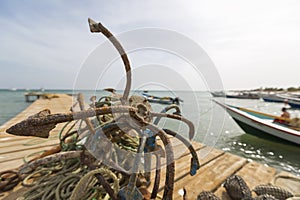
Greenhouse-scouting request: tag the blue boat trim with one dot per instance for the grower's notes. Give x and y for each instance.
(264, 124)
(284, 130)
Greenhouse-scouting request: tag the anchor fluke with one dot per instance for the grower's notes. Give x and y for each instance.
(32, 127)
(94, 26)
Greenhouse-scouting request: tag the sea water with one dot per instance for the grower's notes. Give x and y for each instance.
(214, 127)
(11, 103)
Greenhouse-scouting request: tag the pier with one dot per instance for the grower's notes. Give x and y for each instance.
(32, 96)
(216, 165)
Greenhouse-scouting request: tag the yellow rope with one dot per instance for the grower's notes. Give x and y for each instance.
(87, 181)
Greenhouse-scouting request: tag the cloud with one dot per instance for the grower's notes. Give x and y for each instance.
(250, 38)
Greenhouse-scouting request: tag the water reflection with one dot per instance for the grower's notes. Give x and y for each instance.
(275, 154)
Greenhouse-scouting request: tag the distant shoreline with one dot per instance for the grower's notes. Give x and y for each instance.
(261, 89)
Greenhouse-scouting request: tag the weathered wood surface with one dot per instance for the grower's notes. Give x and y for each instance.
(14, 148)
(253, 174)
(287, 181)
(216, 165)
(210, 176)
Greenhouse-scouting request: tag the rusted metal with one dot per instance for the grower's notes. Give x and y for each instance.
(170, 172)
(166, 109)
(178, 117)
(107, 187)
(157, 175)
(195, 164)
(98, 27)
(41, 126)
(128, 115)
(88, 122)
(130, 191)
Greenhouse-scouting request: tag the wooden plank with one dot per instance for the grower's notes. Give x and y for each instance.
(287, 181)
(13, 164)
(18, 143)
(31, 144)
(216, 165)
(182, 166)
(14, 148)
(20, 155)
(3, 140)
(29, 141)
(210, 176)
(56, 105)
(17, 140)
(181, 150)
(254, 174)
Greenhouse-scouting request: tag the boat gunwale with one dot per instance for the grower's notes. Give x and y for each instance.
(260, 121)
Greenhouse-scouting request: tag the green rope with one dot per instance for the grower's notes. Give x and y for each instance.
(38, 153)
(87, 183)
(71, 145)
(54, 180)
(35, 175)
(65, 188)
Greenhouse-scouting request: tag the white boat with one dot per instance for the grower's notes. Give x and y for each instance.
(218, 94)
(262, 124)
(293, 101)
(294, 104)
(162, 100)
(273, 98)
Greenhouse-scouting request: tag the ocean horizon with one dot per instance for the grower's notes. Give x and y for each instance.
(214, 127)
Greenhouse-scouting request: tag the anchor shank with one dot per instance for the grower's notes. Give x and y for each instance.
(41, 126)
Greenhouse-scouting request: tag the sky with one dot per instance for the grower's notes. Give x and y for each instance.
(248, 43)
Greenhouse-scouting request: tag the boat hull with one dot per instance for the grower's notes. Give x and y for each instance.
(259, 133)
(167, 102)
(242, 96)
(294, 104)
(260, 127)
(161, 100)
(218, 94)
(273, 99)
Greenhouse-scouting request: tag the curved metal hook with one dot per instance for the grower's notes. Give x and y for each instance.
(166, 109)
(188, 122)
(170, 175)
(195, 164)
(98, 27)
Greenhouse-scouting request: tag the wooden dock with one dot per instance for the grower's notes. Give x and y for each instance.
(32, 96)
(216, 165)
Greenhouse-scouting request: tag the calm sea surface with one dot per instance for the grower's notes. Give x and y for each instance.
(214, 127)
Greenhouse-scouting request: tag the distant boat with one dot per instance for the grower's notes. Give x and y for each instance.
(244, 95)
(292, 100)
(218, 94)
(112, 90)
(273, 98)
(294, 103)
(290, 96)
(162, 100)
(261, 124)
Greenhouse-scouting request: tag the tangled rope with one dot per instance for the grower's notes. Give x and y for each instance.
(118, 130)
